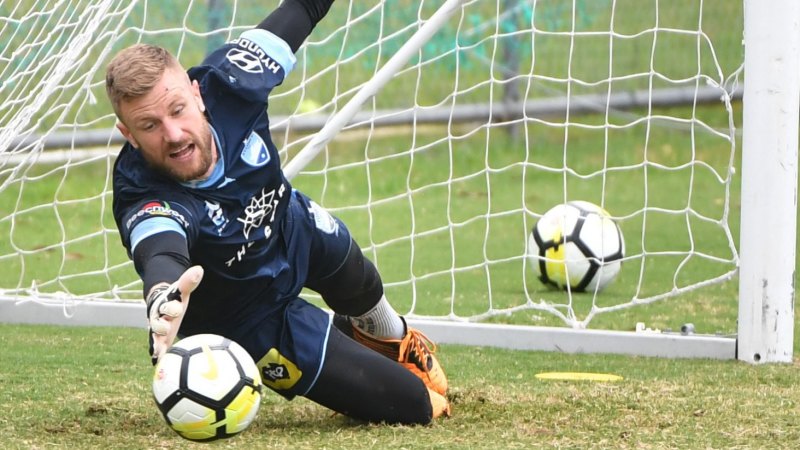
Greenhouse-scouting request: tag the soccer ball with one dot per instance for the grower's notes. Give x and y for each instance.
(576, 245)
(207, 387)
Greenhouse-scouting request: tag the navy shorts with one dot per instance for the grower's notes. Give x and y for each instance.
(288, 344)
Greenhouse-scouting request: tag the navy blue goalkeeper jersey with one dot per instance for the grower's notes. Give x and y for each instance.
(231, 219)
(258, 240)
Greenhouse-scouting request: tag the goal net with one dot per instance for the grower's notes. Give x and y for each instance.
(438, 131)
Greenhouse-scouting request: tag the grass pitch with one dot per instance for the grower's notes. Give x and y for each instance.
(89, 388)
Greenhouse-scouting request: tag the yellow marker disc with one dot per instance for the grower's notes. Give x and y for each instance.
(580, 376)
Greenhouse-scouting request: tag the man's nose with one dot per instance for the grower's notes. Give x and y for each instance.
(172, 131)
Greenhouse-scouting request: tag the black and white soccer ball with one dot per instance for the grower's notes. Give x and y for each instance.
(576, 245)
(207, 387)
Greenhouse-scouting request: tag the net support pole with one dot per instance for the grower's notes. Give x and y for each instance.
(769, 181)
(370, 88)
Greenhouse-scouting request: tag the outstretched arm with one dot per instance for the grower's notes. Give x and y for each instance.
(162, 261)
(294, 20)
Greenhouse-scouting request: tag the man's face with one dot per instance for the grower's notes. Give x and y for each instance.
(168, 126)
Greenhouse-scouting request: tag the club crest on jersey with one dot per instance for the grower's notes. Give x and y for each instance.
(255, 152)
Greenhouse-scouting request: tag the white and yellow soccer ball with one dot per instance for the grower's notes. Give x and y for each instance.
(207, 387)
(576, 245)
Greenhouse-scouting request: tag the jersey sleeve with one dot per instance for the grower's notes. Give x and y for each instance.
(150, 217)
(144, 205)
(249, 66)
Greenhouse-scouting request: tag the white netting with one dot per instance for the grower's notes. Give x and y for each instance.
(511, 107)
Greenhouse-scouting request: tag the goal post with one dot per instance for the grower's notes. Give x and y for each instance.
(769, 181)
(440, 132)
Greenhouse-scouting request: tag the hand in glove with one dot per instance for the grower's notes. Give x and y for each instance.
(166, 305)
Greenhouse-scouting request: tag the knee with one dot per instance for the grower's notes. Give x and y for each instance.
(355, 288)
(421, 410)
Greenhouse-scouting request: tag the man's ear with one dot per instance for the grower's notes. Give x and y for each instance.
(198, 98)
(127, 134)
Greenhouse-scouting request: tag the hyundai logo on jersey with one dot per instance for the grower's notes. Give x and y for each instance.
(245, 60)
(255, 152)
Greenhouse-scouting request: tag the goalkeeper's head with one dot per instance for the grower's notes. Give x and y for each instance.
(161, 112)
(135, 70)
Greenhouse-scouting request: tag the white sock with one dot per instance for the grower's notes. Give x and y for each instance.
(381, 322)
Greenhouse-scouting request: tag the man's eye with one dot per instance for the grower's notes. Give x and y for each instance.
(177, 110)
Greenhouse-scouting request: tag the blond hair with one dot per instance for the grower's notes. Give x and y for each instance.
(135, 70)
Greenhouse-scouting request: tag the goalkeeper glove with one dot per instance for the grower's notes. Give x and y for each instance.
(166, 305)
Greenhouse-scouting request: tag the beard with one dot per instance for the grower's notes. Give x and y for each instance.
(199, 165)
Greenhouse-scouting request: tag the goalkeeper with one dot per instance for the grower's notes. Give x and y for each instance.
(204, 209)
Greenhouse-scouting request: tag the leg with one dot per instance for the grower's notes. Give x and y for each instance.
(355, 290)
(362, 384)
(351, 286)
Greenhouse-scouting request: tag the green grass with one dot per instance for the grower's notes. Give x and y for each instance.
(90, 388)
